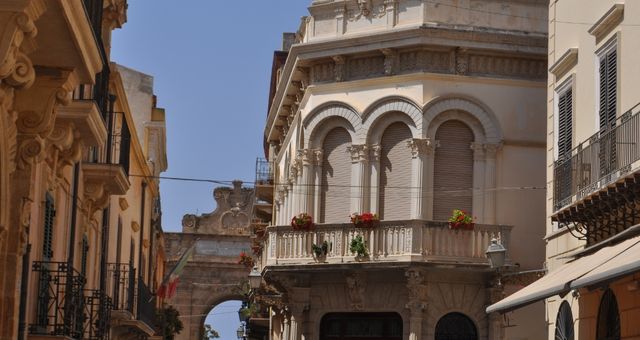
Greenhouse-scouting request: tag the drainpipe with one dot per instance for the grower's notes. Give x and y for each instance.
(104, 254)
(142, 206)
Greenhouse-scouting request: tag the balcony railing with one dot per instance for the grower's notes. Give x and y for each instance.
(599, 161)
(97, 313)
(121, 286)
(60, 302)
(118, 148)
(146, 304)
(399, 241)
(264, 171)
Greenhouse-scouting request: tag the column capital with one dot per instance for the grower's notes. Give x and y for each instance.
(374, 152)
(318, 154)
(306, 157)
(490, 150)
(359, 153)
(420, 147)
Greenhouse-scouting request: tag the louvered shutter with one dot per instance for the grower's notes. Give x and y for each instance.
(453, 170)
(608, 104)
(565, 130)
(395, 173)
(336, 177)
(47, 239)
(85, 253)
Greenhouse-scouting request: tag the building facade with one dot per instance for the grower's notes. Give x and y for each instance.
(408, 109)
(75, 159)
(593, 130)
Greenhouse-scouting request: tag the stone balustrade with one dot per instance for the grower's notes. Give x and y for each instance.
(388, 241)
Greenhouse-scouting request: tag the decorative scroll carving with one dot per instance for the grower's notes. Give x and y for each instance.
(65, 146)
(417, 289)
(115, 13)
(375, 151)
(356, 286)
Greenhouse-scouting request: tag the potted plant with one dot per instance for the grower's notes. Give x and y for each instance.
(246, 260)
(320, 251)
(302, 221)
(364, 220)
(460, 220)
(359, 247)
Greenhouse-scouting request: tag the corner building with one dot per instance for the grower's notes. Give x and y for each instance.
(408, 109)
(593, 174)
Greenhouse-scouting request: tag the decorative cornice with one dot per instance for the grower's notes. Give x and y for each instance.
(607, 22)
(566, 62)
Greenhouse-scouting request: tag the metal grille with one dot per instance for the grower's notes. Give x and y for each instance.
(456, 326)
(264, 171)
(608, 318)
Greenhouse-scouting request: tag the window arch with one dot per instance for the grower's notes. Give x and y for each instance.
(395, 176)
(564, 323)
(608, 318)
(453, 169)
(456, 326)
(336, 177)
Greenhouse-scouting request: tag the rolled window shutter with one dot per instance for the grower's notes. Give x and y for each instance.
(395, 176)
(453, 170)
(336, 177)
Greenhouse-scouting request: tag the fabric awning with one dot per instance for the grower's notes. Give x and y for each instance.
(563, 279)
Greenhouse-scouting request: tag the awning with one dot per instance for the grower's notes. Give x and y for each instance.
(586, 270)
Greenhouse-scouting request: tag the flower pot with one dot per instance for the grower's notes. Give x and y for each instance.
(361, 258)
(461, 226)
(320, 258)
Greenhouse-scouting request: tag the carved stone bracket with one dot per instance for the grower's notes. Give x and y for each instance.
(356, 287)
(391, 61)
(420, 147)
(417, 289)
(339, 69)
(65, 148)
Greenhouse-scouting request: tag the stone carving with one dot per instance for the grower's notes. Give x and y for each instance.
(376, 149)
(356, 286)
(359, 153)
(359, 68)
(420, 147)
(390, 61)
(462, 62)
(231, 216)
(366, 9)
(65, 148)
(417, 289)
(339, 68)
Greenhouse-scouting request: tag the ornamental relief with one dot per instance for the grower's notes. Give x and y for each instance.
(458, 61)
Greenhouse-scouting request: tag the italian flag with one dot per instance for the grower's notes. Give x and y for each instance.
(170, 282)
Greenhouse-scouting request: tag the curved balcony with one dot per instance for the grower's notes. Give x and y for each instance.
(389, 241)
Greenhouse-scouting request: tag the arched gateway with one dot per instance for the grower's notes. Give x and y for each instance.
(212, 274)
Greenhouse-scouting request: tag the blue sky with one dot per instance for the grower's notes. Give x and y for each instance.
(211, 62)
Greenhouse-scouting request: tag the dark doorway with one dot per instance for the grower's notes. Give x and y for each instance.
(361, 326)
(456, 326)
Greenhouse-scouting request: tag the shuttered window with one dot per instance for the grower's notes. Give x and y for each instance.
(565, 123)
(608, 104)
(336, 177)
(47, 239)
(395, 173)
(453, 170)
(85, 253)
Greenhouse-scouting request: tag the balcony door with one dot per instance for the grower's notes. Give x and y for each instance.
(361, 326)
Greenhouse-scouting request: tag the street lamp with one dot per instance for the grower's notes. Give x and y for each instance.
(496, 254)
(255, 278)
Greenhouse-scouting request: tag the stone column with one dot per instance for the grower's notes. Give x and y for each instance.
(317, 198)
(306, 184)
(420, 148)
(374, 178)
(417, 301)
(478, 187)
(495, 293)
(490, 152)
(359, 174)
(286, 326)
(298, 306)
(287, 203)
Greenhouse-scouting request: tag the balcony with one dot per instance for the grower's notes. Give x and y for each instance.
(596, 184)
(60, 301)
(133, 308)
(121, 287)
(97, 317)
(146, 307)
(388, 241)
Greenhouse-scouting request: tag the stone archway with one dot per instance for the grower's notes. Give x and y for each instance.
(213, 274)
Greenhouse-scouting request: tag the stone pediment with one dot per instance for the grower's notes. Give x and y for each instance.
(232, 215)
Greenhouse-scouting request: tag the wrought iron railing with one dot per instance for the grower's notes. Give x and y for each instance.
(264, 171)
(598, 161)
(121, 286)
(146, 304)
(60, 302)
(118, 148)
(97, 315)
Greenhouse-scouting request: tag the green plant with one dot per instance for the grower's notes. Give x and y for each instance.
(208, 333)
(460, 219)
(249, 310)
(322, 249)
(358, 246)
(168, 319)
(302, 221)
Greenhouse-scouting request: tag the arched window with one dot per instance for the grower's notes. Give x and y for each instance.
(395, 173)
(608, 318)
(564, 323)
(456, 326)
(336, 177)
(453, 170)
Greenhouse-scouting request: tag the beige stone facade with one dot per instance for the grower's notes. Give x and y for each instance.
(592, 174)
(75, 159)
(407, 109)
